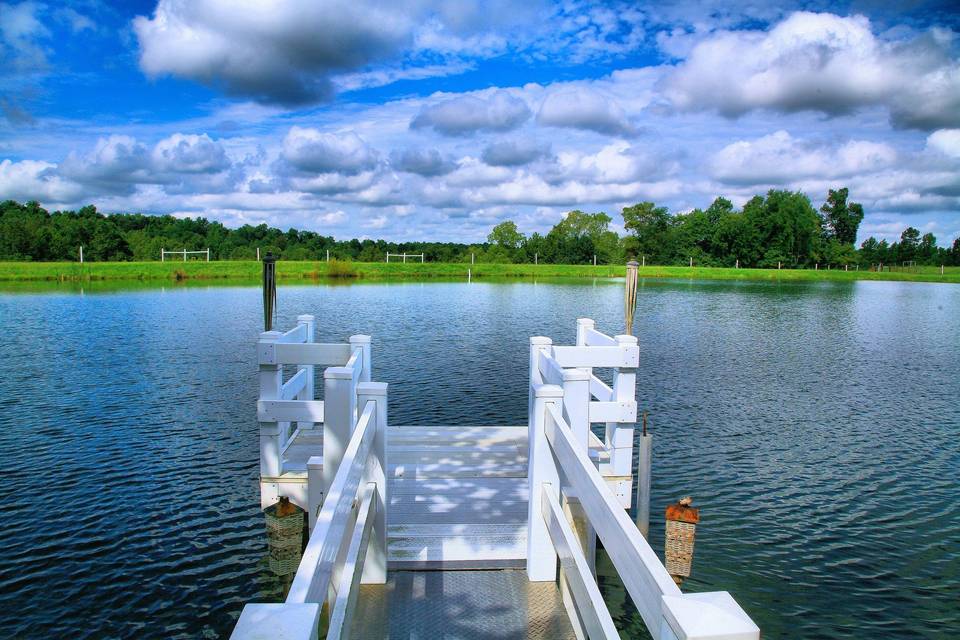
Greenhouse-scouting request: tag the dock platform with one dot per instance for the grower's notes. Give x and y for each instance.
(462, 531)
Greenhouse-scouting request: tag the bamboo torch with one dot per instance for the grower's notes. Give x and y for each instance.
(269, 290)
(630, 295)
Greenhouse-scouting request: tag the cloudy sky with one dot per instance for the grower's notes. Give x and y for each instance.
(414, 119)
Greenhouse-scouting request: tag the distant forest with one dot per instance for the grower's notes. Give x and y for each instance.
(781, 228)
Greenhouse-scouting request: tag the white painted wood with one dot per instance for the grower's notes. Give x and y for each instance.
(271, 379)
(644, 577)
(595, 338)
(294, 386)
(312, 579)
(339, 416)
(363, 343)
(600, 390)
(375, 567)
(706, 616)
(315, 489)
(575, 357)
(278, 621)
(617, 411)
(296, 335)
(541, 556)
(320, 354)
(590, 607)
(291, 410)
(584, 325)
(550, 369)
(308, 390)
(341, 615)
(619, 431)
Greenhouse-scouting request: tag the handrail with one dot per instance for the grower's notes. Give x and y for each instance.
(312, 579)
(347, 592)
(644, 577)
(596, 616)
(292, 387)
(563, 474)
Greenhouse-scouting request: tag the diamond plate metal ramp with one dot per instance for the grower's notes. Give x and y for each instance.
(461, 605)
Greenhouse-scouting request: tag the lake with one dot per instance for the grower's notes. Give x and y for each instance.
(817, 425)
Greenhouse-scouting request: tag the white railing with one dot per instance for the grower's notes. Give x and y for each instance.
(283, 404)
(564, 478)
(348, 540)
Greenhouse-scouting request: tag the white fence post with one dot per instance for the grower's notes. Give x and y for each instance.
(339, 417)
(362, 342)
(308, 388)
(541, 555)
(375, 564)
(271, 379)
(296, 621)
(618, 435)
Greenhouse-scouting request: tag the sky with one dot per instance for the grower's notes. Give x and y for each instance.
(420, 120)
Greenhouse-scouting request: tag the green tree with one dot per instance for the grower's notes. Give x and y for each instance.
(841, 220)
(649, 225)
(909, 242)
(505, 235)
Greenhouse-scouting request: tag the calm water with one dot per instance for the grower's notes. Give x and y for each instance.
(815, 424)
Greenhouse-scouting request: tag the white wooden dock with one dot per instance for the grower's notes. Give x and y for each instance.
(480, 506)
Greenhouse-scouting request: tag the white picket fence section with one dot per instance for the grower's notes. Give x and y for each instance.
(562, 386)
(348, 539)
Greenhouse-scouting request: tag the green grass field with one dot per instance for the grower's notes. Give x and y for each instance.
(288, 271)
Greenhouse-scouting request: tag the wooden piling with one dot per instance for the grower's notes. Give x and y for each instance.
(644, 467)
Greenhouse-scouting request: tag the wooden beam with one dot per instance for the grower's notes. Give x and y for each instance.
(290, 410)
(316, 353)
(612, 357)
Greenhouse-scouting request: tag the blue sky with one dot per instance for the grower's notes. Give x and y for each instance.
(423, 120)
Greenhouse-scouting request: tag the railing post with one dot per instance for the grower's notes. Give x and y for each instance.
(271, 379)
(619, 435)
(375, 564)
(315, 489)
(339, 417)
(308, 388)
(362, 342)
(541, 468)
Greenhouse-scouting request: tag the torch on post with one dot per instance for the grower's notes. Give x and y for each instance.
(269, 290)
(679, 537)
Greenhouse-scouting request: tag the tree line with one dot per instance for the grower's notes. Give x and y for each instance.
(781, 228)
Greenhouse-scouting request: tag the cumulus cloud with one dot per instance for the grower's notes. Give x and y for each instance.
(822, 62)
(115, 165)
(35, 180)
(945, 141)
(779, 158)
(514, 153)
(463, 115)
(583, 108)
(424, 162)
(314, 151)
(190, 154)
(616, 163)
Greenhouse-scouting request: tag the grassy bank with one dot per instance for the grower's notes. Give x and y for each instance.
(288, 271)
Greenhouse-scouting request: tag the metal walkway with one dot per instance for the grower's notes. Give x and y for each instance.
(461, 605)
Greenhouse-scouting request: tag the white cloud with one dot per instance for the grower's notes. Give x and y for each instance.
(313, 151)
(822, 62)
(35, 180)
(189, 154)
(583, 108)
(115, 165)
(779, 158)
(946, 141)
(424, 162)
(20, 33)
(615, 163)
(495, 111)
(515, 152)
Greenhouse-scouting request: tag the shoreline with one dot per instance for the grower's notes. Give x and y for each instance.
(288, 271)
